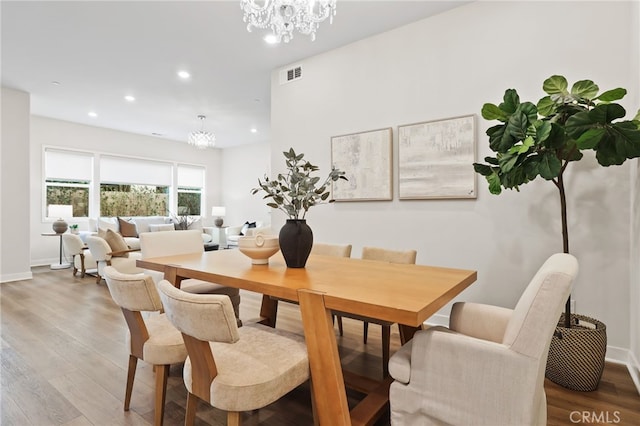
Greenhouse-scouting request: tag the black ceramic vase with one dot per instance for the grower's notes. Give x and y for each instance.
(296, 239)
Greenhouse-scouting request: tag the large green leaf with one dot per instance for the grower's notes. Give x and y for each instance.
(482, 169)
(511, 100)
(627, 139)
(532, 166)
(607, 154)
(590, 138)
(499, 139)
(554, 85)
(584, 89)
(612, 95)
(517, 125)
(494, 184)
(549, 166)
(546, 106)
(507, 162)
(578, 124)
(606, 113)
(543, 130)
(492, 112)
(557, 137)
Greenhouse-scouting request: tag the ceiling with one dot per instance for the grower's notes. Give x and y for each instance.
(100, 51)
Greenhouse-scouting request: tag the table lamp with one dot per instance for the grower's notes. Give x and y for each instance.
(60, 211)
(218, 212)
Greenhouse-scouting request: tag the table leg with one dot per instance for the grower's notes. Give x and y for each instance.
(268, 311)
(328, 382)
(407, 332)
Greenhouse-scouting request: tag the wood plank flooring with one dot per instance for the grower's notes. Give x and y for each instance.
(64, 360)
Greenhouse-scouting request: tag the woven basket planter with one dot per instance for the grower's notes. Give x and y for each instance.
(576, 355)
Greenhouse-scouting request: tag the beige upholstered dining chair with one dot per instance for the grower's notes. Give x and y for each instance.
(488, 367)
(152, 339)
(233, 369)
(381, 255)
(170, 243)
(82, 258)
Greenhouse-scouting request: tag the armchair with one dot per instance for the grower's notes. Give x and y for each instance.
(74, 246)
(488, 367)
(104, 256)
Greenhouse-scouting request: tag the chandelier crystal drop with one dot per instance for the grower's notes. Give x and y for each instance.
(283, 16)
(202, 139)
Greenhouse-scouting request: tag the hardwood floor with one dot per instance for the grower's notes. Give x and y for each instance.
(64, 363)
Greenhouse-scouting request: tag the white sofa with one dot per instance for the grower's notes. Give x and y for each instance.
(142, 224)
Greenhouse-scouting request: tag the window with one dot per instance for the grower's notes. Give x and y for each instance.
(190, 186)
(134, 187)
(68, 180)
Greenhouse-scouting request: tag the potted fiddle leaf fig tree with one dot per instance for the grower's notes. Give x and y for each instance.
(295, 193)
(542, 140)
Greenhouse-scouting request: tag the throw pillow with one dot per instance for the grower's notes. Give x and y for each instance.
(127, 229)
(246, 226)
(153, 227)
(102, 233)
(116, 242)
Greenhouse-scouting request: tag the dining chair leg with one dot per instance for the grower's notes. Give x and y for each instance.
(233, 418)
(82, 268)
(386, 343)
(98, 278)
(365, 332)
(131, 373)
(192, 405)
(339, 318)
(162, 372)
(73, 263)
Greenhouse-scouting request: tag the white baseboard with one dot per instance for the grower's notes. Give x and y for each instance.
(45, 262)
(634, 369)
(6, 278)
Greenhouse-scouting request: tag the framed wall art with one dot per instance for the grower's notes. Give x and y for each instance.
(435, 159)
(366, 159)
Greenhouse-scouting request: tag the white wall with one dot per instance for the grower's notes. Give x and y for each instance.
(634, 299)
(50, 132)
(241, 168)
(14, 181)
(449, 65)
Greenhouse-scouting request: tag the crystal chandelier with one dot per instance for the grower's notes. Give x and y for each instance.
(283, 16)
(202, 139)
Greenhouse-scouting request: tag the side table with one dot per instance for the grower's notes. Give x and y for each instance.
(60, 264)
(222, 236)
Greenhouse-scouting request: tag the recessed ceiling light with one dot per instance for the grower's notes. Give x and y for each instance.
(184, 75)
(157, 134)
(271, 39)
(56, 83)
(129, 98)
(254, 130)
(92, 114)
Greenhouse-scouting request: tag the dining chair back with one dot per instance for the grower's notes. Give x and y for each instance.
(337, 250)
(152, 339)
(233, 369)
(171, 243)
(380, 255)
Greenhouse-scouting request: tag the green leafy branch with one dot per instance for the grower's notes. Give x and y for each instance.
(297, 191)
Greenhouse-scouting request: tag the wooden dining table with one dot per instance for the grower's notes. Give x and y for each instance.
(399, 293)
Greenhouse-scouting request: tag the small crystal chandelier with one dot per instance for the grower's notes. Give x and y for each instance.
(283, 16)
(202, 139)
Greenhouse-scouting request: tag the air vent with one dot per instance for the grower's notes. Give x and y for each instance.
(291, 74)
